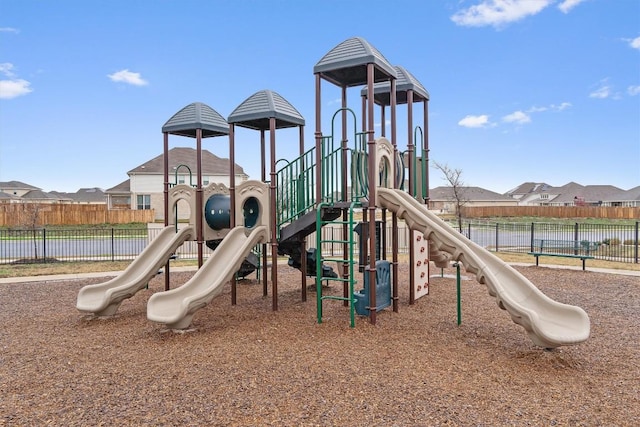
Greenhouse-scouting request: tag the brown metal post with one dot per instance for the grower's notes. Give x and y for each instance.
(199, 204)
(343, 189)
(166, 200)
(232, 198)
(318, 135)
(372, 172)
(303, 243)
(263, 178)
(425, 160)
(394, 216)
(412, 157)
(272, 204)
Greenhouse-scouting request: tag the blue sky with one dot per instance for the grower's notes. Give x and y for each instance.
(521, 90)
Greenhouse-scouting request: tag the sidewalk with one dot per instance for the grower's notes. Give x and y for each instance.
(59, 277)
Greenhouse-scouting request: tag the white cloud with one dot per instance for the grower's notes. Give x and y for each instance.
(517, 117)
(498, 12)
(634, 43)
(6, 68)
(553, 107)
(129, 77)
(475, 121)
(604, 91)
(13, 88)
(563, 106)
(567, 5)
(633, 90)
(9, 30)
(535, 109)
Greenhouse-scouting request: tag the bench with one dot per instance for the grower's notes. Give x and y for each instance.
(582, 249)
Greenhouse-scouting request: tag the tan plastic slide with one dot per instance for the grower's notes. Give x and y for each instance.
(550, 324)
(103, 299)
(176, 307)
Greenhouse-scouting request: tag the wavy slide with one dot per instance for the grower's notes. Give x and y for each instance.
(176, 307)
(103, 299)
(550, 324)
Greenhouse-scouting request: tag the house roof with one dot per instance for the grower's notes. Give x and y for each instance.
(589, 193)
(632, 194)
(256, 111)
(475, 194)
(7, 196)
(211, 164)
(40, 195)
(197, 116)
(17, 185)
(346, 64)
(123, 187)
(528, 188)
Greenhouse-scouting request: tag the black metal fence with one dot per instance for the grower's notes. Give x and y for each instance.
(616, 242)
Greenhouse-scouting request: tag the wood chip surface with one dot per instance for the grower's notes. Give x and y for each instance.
(246, 365)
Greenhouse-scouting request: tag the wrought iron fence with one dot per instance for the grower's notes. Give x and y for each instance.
(616, 242)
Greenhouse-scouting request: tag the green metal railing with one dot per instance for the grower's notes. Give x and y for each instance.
(350, 260)
(296, 180)
(295, 186)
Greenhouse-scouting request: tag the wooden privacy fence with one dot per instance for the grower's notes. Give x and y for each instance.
(34, 214)
(609, 212)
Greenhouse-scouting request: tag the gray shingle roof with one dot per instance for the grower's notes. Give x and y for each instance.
(197, 116)
(211, 164)
(588, 193)
(346, 64)
(17, 185)
(255, 112)
(475, 194)
(406, 82)
(123, 187)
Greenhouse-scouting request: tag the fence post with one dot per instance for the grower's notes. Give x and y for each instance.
(44, 245)
(497, 235)
(635, 250)
(576, 230)
(532, 234)
(113, 242)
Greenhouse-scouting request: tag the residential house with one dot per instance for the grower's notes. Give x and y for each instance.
(533, 193)
(629, 198)
(442, 198)
(119, 197)
(16, 188)
(93, 195)
(573, 194)
(145, 187)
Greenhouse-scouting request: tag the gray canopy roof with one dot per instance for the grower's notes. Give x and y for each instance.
(346, 64)
(406, 82)
(255, 112)
(197, 116)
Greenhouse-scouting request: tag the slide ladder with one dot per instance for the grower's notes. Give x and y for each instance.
(350, 261)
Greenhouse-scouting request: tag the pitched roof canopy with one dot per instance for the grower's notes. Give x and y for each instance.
(406, 82)
(255, 112)
(346, 64)
(197, 116)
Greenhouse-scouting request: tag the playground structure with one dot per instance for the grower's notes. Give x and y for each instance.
(328, 183)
